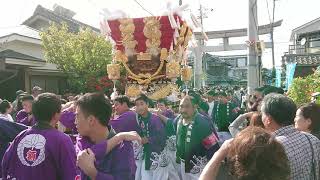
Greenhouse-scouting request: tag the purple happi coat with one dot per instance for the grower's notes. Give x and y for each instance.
(119, 164)
(68, 120)
(153, 129)
(40, 154)
(22, 117)
(125, 122)
(169, 114)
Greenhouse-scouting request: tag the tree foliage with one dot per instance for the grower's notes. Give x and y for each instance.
(83, 56)
(301, 89)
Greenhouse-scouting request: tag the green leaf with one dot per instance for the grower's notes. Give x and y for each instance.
(84, 56)
(302, 88)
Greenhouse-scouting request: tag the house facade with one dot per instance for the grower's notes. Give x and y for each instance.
(305, 50)
(22, 62)
(238, 70)
(225, 70)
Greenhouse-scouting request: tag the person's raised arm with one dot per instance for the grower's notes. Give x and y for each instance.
(234, 127)
(85, 161)
(123, 136)
(211, 170)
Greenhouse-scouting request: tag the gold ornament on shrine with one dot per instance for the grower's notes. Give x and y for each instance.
(133, 91)
(172, 69)
(151, 50)
(162, 92)
(113, 71)
(186, 73)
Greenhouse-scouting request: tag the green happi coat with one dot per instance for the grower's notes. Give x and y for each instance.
(196, 142)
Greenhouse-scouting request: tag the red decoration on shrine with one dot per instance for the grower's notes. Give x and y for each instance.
(167, 33)
(146, 47)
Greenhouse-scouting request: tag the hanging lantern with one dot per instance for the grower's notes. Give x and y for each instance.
(186, 73)
(113, 71)
(172, 69)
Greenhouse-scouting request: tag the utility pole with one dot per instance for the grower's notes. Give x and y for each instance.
(273, 72)
(198, 67)
(253, 66)
(198, 60)
(271, 35)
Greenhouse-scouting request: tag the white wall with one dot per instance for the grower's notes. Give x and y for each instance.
(30, 49)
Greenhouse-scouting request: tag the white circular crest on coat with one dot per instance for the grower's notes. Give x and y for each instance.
(33, 142)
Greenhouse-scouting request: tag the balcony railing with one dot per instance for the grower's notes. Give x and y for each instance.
(311, 47)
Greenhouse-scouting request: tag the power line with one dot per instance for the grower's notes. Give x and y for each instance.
(268, 11)
(143, 7)
(272, 29)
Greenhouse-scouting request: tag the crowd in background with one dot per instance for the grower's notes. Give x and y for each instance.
(212, 133)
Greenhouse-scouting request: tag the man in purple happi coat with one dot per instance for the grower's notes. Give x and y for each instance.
(126, 120)
(153, 135)
(25, 116)
(162, 105)
(41, 152)
(96, 159)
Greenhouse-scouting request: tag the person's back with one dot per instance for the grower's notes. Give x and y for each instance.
(8, 131)
(40, 154)
(301, 155)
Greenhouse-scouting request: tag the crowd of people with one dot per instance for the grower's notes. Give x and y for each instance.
(212, 133)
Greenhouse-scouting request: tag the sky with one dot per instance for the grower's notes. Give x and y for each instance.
(225, 14)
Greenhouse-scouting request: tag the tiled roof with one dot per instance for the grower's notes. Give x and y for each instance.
(214, 60)
(73, 24)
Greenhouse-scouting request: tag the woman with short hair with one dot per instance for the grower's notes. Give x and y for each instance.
(252, 154)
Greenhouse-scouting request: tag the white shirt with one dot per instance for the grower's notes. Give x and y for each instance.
(6, 117)
(211, 106)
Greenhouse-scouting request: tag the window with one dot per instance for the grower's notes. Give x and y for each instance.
(48, 84)
(242, 62)
(38, 81)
